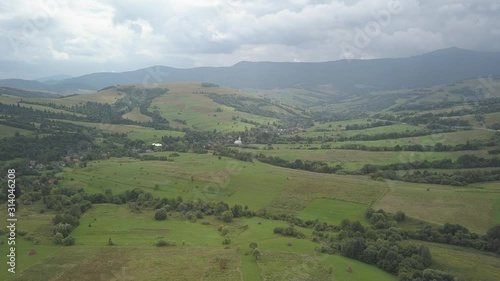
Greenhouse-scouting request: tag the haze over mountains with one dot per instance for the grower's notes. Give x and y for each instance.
(355, 76)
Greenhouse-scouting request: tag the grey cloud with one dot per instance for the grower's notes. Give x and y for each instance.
(222, 32)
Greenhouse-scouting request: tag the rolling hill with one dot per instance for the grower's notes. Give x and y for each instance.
(349, 76)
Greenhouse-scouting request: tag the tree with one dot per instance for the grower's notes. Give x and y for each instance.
(353, 248)
(256, 253)
(400, 216)
(227, 216)
(68, 241)
(161, 214)
(253, 245)
(57, 238)
(62, 228)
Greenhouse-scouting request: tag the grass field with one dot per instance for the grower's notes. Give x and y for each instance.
(335, 132)
(333, 211)
(453, 138)
(466, 264)
(198, 253)
(184, 102)
(282, 190)
(133, 132)
(475, 207)
(356, 159)
(136, 115)
(8, 131)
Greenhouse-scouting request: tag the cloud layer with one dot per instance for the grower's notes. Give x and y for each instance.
(44, 37)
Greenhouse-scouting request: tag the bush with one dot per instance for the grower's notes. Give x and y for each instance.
(227, 216)
(68, 241)
(253, 245)
(57, 238)
(63, 228)
(400, 216)
(161, 214)
(165, 243)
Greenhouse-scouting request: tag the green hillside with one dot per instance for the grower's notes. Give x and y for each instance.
(385, 185)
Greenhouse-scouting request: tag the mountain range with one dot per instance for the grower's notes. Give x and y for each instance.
(354, 76)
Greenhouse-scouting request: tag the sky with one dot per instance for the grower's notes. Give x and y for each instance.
(74, 37)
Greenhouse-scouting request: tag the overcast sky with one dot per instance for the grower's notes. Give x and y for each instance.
(75, 37)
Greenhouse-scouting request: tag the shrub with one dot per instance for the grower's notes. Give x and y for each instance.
(68, 241)
(161, 214)
(57, 238)
(165, 243)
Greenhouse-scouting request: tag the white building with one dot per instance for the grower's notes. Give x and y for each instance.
(238, 141)
(157, 144)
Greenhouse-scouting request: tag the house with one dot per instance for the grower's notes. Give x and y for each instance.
(238, 141)
(40, 167)
(157, 144)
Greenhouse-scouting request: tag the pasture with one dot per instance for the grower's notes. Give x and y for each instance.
(199, 252)
(466, 264)
(8, 131)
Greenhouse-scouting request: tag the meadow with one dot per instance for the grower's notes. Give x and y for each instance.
(199, 253)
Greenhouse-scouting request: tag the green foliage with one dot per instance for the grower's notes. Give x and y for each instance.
(352, 248)
(227, 216)
(57, 238)
(165, 243)
(289, 231)
(161, 214)
(62, 228)
(68, 241)
(253, 245)
(226, 240)
(400, 216)
(256, 253)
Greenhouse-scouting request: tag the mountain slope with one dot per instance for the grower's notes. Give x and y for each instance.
(352, 76)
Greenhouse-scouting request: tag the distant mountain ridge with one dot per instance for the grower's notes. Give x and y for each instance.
(438, 67)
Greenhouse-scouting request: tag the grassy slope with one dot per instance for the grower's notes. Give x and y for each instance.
(8, 131)
(197, 253)
(184, 102)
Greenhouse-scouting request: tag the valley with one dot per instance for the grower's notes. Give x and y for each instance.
(384, 185)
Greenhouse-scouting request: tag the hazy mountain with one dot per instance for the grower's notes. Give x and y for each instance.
(438, 67)
(53, 79)
(25, 93)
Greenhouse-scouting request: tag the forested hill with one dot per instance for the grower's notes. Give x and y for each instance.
(355, 76)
